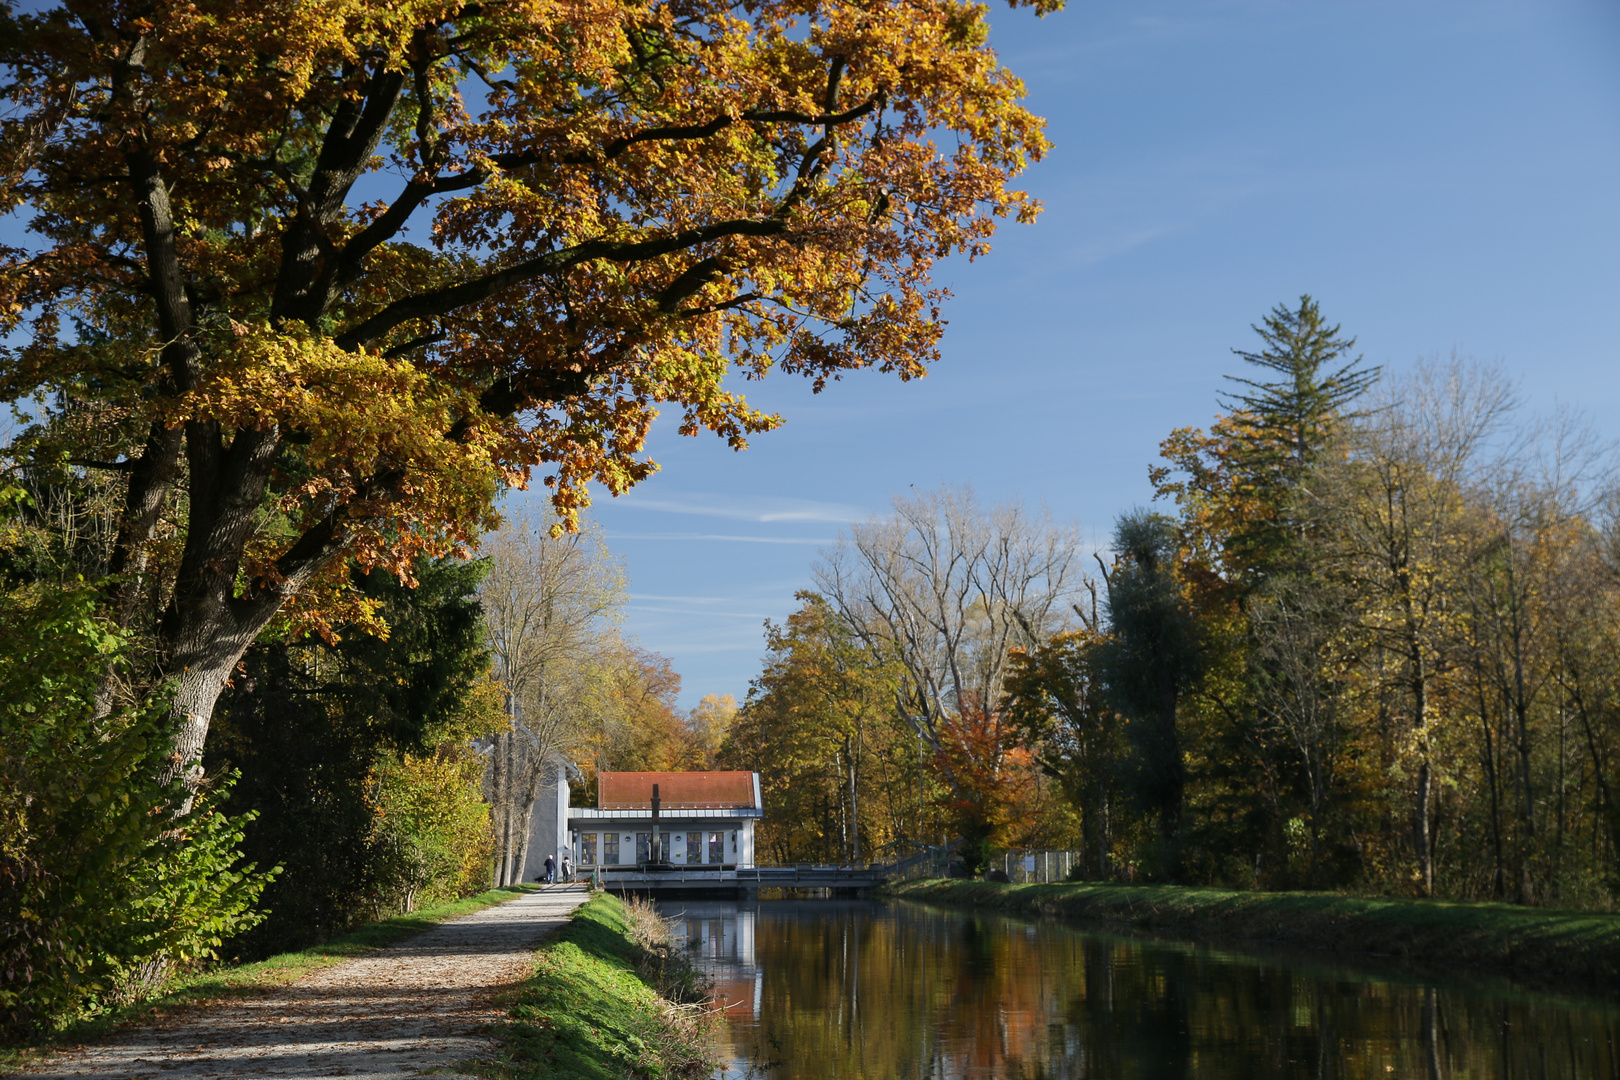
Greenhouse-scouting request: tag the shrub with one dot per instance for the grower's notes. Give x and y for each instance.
(101, 886)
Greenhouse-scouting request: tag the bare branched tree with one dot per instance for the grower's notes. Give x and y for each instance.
(551, 604)
(1298, 625)
(948, 590)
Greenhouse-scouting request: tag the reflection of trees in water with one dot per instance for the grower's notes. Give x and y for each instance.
(861, 993)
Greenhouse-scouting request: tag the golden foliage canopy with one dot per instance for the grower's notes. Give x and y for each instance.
(343, 270)
(421, 248)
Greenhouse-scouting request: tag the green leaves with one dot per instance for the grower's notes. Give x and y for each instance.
(98, 880)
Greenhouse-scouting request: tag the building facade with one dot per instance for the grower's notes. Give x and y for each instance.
(548, 827)
(705, 820)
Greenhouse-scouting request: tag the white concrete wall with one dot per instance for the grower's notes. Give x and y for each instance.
(549, 826)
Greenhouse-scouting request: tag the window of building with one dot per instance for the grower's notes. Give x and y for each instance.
(587, 849)
(717, 847)
(643, 846)
(694, 847)
(610, 849)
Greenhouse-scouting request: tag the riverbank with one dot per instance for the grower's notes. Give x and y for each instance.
(1538, 947)
(611, 998)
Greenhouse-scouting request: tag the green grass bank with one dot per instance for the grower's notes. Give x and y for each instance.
(1536, 946)
(239, 980)
(611, 999)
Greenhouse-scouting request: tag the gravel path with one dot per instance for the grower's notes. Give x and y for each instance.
(409, 1009)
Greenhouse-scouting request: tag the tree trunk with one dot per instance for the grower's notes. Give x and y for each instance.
(510, 872)
(204, 642)
(1527, 792)
(1499, 867)
(843, 810)
(1422, 822)
(854, 804)
(523, 816)
(1174, 778)
(1088, 833)
(212, 617)
(1102, 831)
(1423, 811)
(501, 805)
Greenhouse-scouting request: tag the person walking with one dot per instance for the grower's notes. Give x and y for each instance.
(551, 869)
(567, 868)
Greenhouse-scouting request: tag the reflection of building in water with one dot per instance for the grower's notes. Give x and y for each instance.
(721, 937)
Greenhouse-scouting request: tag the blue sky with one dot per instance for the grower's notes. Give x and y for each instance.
(1441, 176)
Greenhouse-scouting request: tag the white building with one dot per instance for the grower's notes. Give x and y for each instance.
(706, 820)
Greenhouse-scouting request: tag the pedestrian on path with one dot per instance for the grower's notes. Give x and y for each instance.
(567, 868)
(551, 869)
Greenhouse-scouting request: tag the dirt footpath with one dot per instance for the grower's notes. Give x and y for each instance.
(409, 1009)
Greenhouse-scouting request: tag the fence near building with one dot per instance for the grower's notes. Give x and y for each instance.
(1030, 865)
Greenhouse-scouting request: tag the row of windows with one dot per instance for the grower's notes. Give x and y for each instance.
(688, 848)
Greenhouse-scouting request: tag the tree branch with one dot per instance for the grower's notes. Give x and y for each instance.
(415, 343)
(444, 301)
(349, 264)
(175, 316)
(351, 139)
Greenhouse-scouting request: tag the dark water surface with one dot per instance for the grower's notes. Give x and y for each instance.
(845, 990)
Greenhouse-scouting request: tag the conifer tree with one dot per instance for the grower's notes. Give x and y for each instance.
(1150, 660)
(1293, 415)
(1285, 424)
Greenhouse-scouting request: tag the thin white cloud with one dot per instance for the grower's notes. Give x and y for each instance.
(684, 649)
(1112, 247)
(659, 598)
(705, 614)
(817, 540)
(763, 509)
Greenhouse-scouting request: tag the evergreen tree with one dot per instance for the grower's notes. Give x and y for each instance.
(315, 728)
(1285, 424)
(1151, 658)
(1293, 415)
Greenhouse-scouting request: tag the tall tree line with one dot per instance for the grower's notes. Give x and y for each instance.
(1366, 637)
(1373, 643)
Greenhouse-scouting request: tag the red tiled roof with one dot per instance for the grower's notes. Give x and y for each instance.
(676, 790)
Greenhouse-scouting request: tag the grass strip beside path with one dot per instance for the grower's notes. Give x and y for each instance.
(1534, 945)
(238, 980)
(592, 1012)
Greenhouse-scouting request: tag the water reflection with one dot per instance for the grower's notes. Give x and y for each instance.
(844, 990)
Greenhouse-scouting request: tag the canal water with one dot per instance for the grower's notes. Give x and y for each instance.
(854, 990)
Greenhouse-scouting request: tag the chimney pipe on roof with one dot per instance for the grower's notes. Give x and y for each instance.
(657, 842)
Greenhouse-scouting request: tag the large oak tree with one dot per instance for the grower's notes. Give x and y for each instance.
(337, 272)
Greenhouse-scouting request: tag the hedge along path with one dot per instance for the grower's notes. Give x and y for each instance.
(418, 1006)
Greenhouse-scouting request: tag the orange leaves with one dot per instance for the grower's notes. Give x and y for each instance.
(996, 774)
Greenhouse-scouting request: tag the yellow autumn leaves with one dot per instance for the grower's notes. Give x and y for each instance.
(381, 437)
